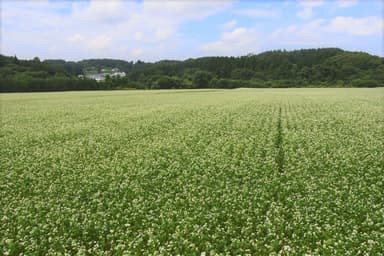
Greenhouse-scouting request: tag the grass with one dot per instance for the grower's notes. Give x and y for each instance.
(245, 171)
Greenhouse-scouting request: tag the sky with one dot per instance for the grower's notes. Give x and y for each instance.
(156, 30)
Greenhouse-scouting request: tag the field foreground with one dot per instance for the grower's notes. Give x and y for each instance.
(201, 172)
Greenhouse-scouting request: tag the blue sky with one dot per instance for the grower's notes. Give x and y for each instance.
(155, 30)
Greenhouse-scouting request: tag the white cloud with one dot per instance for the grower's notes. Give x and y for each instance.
(137, 52)
(259, 13)
(346, 3)
(306, 34)
(307, 8)
(185, 10)
(100, 42)
(75, 38)
(366, 26)
(157, 21)
(100, 28)
(151, 30)
(138, 36)
(335, 32)
(230, 24)
(311, 3)
(239, 41)
(103, 12)
(305, 13)
(53, 49)
(163, 33)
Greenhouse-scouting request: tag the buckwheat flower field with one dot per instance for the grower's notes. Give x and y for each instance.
(193, 172)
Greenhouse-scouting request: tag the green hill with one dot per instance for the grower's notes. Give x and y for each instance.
(326, 67)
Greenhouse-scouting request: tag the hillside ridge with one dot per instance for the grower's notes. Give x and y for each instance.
(322, 67)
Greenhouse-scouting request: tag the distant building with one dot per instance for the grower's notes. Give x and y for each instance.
(102, 76)
(97, 77)
(118, 74)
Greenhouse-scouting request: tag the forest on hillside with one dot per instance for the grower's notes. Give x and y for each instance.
(325, 67)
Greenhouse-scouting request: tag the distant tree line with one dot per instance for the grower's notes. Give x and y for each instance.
(326, 67)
